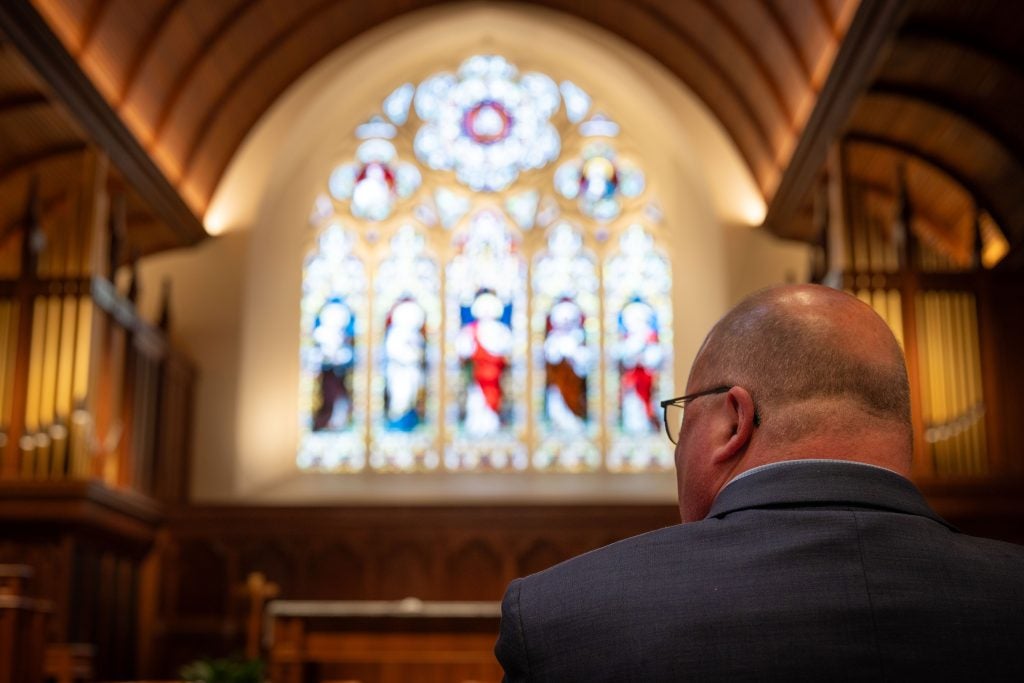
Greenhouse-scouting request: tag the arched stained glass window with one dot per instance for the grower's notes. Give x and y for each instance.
(485, 288)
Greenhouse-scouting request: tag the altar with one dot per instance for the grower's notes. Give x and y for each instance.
(381, 641)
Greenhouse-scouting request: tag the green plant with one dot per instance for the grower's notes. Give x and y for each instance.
(223, 671)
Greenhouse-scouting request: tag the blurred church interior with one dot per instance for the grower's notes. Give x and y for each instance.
(320, 321)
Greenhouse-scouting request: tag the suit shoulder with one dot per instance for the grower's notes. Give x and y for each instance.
(623, 554)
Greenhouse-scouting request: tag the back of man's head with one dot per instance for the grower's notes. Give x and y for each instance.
(815, 360)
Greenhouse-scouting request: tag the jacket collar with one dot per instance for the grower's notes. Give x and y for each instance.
(824, 483)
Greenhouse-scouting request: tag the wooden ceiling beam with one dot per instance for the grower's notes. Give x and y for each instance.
(917, 30)
(266, 51)
(741, 97)
(23, 163)
(91, 23)
(858, 57)
(791, 41)
(971, 115)
(185, 75)
(144, 46)
(891, 194)
(723, 18)
(45, 53)
(26, 100)
(982, 198)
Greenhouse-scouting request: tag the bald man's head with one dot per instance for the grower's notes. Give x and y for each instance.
(803, 352)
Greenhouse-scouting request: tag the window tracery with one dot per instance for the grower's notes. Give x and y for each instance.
(485, 290)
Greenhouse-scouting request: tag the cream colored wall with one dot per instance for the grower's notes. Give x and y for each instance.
(237, 306)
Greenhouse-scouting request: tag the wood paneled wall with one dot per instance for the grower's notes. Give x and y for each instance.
(432, 553)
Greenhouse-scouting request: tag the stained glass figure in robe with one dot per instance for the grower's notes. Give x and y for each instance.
(486, 323)
(407, 313)
(332, 416)
(638, 330)
(405, 365)
(565, 323)
(567, 362)
(484, 345)
(333, 338)
(640, 356)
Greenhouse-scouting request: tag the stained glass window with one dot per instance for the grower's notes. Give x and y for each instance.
(485, 288)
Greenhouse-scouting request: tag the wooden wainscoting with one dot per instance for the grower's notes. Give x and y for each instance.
(428, 552)
(360, 553)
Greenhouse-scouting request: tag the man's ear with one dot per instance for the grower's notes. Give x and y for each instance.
(737, 419)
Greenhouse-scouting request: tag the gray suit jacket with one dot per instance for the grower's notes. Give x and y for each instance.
(817, 571)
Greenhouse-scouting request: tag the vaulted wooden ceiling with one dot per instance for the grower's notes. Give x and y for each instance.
(191, 77)
(932, 86)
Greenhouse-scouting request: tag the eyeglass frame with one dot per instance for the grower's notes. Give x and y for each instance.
(681, 401)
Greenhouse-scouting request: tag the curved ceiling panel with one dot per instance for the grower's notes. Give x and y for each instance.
(191, 77)
(948, 141)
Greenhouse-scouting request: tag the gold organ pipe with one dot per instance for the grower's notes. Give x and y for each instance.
(963, 396)
(113, 428)
(963, 368)
(83, 337)
(957, 385)
(42, 455)
(9, 453)
(963, 318)
(58, 434)
(79, 438)
(923, 354)
(938, 388)
(27, 449)
(973, 386)
(953, 378)
(78, 441)
(51, 348)
(35, 366)
(6, 339)
(977, 386)
(967, 331)
(895, 316)
(942, 364)
(936, 392)
(66, 361)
